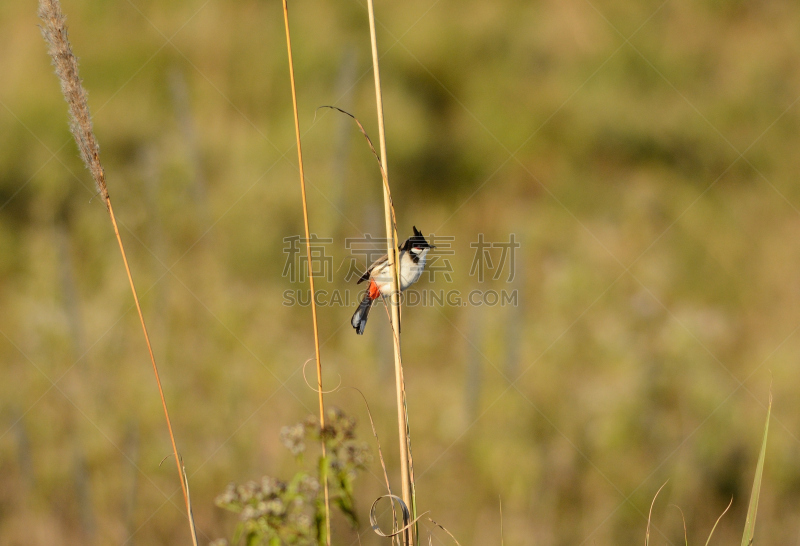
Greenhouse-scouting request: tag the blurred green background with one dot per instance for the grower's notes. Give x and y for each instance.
(644, 155)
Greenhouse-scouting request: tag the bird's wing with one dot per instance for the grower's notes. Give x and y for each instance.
(375, 264)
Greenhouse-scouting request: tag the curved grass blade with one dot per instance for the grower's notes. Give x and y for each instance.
(650, 515)
(443, 529)
(750, 522)
(683, 519)
(717, 522)
(373, 519)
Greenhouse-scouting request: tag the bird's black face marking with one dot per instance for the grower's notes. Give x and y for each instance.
(416, 243)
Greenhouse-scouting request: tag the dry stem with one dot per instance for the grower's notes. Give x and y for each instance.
(310, 272)
(54, 32)
(391, 235)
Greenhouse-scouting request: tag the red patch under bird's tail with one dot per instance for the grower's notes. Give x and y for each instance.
(373, 291)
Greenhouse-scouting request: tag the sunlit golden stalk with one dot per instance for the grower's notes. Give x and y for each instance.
(310, 273)
(54, 32)
(391, 246)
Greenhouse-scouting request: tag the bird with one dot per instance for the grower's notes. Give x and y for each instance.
(413, 255)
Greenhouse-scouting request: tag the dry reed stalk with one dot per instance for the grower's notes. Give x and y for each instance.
(310, 272)
(406, 469)
(54, 32)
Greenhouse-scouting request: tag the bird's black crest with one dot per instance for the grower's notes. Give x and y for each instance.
(415, 241)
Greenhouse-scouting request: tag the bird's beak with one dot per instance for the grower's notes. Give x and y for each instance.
(432, 247)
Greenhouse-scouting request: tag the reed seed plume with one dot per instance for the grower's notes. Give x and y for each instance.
(54, 31)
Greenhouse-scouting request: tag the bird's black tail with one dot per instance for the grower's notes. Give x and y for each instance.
(359, 320)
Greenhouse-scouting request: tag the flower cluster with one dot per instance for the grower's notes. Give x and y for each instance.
(274, 511)
(344, 453)
(347, 455)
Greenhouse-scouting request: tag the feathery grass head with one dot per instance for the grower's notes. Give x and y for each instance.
(54, 31)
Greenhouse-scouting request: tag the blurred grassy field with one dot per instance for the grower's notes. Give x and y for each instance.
(644, 155)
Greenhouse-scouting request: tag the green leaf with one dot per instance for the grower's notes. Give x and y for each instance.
(750, 522)
(347, 506)
(319, 521)
(237, 534)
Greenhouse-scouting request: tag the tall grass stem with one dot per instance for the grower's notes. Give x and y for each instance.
(324, 476)
(391, 246)
(55, 35)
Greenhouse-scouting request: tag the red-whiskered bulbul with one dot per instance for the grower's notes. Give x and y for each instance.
(413, 254)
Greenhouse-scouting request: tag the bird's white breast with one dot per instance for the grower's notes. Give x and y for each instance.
(410, 272)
